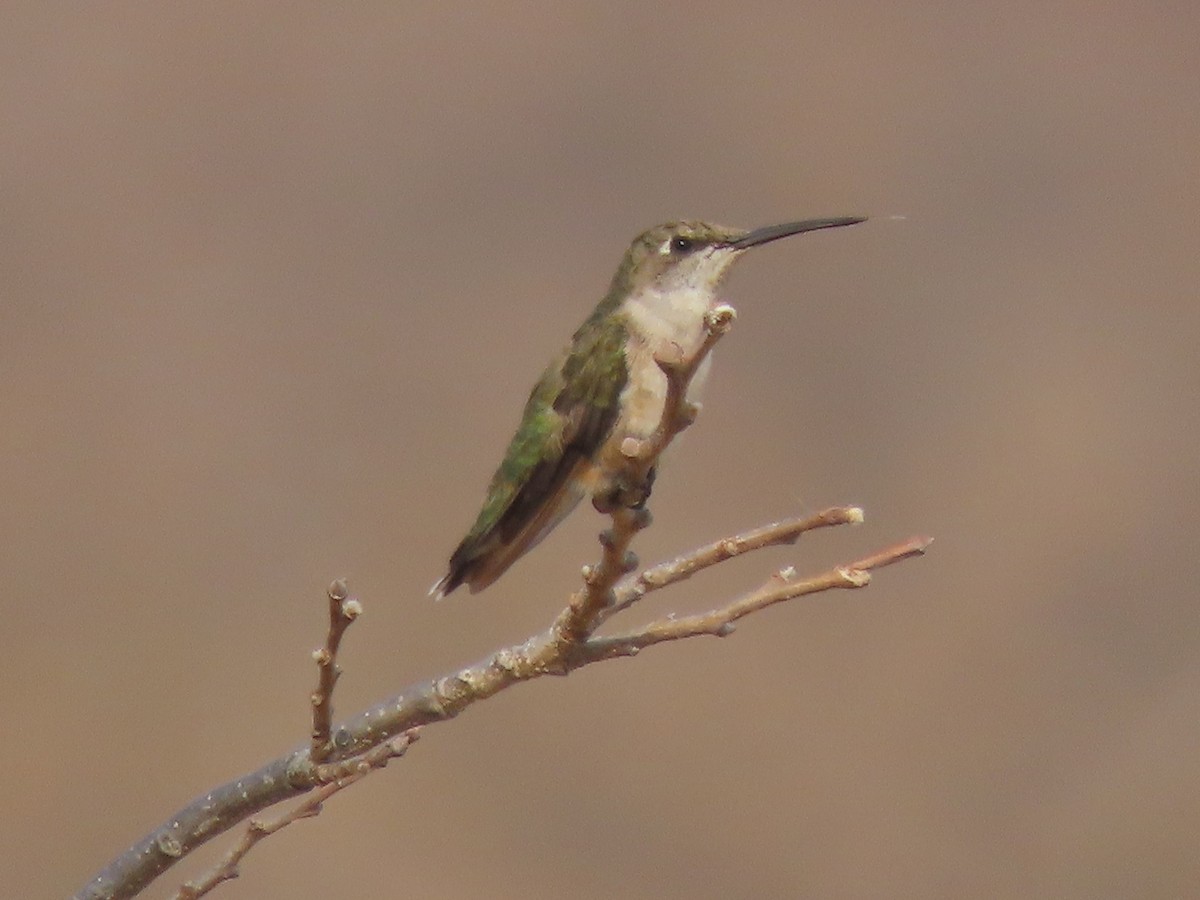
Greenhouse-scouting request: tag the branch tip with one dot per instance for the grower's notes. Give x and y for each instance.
(719, 319)
(688, 413)
(914, 546)
(855, 577)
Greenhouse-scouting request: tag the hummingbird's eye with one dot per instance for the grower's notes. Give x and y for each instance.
(681, 244)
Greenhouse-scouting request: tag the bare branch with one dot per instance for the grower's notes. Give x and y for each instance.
(915, 546)
(782, 586)
(440, 699)
(227, 868)
(683, 567)
(588, 605)
(340, 755)
(343, 610)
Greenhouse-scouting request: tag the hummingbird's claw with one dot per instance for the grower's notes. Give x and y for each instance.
(620, 494)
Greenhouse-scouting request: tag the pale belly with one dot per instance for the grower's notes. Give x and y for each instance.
(642, 406)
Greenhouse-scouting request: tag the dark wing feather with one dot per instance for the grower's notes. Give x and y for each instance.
(567, 417)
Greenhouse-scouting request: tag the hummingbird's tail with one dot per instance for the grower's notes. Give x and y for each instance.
(442, 587)
(452, 580)
(479, 561)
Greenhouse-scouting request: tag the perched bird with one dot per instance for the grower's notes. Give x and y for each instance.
(603, 388)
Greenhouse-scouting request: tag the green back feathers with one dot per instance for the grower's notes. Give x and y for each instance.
(568, 415)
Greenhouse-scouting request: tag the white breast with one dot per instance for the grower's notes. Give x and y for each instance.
(666, 318)
(646, 390)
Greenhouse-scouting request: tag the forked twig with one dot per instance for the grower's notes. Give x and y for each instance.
(227, 868)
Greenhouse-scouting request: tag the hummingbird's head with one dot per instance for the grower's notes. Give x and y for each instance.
(695, 256)
(681, 256)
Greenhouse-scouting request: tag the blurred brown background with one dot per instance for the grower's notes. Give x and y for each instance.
(276, 280)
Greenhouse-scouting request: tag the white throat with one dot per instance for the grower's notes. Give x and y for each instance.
(662, 318)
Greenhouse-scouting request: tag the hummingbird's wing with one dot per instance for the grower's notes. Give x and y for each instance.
(545, 470)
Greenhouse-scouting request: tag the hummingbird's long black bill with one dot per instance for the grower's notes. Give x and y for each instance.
(775, 232)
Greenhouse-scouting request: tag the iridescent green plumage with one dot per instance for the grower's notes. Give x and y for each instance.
(569, 413)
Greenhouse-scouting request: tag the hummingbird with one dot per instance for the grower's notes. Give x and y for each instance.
(604, 388)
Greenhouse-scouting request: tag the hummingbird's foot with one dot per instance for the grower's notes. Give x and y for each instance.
(642, 494)
(620, 494)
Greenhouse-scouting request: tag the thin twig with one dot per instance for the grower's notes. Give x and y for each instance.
(343, 610)
(227, 868)
(586, 608)
(783, 585)
(915, 546)
(786, 531)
